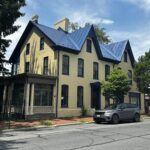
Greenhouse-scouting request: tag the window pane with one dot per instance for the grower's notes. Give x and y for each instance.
(130, 76)
(107, 71)
(42, 43)
(80, 67)
(27, 67)
(95, 70)
(88, 45)
(64, 96)
(27, 48)
(79, 96)
(45, 66)
(125, 57)
(43, 95)
(65, 65)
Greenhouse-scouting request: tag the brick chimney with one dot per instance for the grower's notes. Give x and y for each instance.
(35, 18)
(63, 23)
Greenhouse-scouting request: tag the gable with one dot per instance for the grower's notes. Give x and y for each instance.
(73, 42)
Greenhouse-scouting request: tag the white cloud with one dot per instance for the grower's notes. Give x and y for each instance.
(84, 17)
(140, 41)
(144, 4)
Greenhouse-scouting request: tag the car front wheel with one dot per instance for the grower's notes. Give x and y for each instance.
(115, 119)
(136, 118)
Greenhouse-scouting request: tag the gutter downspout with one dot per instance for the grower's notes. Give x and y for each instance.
(57, 92)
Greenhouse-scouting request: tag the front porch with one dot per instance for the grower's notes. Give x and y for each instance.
(27, 96)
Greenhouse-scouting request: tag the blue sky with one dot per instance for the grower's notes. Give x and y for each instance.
(122, 19)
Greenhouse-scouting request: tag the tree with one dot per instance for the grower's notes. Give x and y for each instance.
(142, 72)
(100, 32)
(9, 13)
(117, 86)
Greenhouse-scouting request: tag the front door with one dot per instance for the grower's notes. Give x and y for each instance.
(95, 95)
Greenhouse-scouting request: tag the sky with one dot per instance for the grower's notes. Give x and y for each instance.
(122, 19)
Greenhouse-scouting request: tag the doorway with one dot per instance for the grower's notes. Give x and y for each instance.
(95, 95)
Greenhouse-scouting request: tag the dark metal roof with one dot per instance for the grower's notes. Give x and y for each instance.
(74, 41)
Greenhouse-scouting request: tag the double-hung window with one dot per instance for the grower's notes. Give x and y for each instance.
(80, 67)
(95, 71)
(79, 96)
(45, 66)
(65, 65)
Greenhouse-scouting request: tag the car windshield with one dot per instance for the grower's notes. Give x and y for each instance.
(112, 106)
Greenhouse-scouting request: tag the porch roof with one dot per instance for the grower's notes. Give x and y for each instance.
(28, 78)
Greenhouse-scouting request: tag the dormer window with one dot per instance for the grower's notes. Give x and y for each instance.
(42, 43)
(89, 45)
(125, 57)
(28, 49)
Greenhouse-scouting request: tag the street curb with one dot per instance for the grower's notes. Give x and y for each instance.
(42, 127)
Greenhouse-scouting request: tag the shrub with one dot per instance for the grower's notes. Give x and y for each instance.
(46, 123)
(83, 111)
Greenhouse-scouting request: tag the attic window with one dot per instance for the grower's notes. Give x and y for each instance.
(89, 45)
(125, 57)
(42, 43)
(28, 49)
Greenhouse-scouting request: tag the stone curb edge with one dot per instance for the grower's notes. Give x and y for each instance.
(42, 127)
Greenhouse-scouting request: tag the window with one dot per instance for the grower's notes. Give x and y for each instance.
(79, 96)
(45, 66)
(95, 70)
(18, 95)
(80, 67)
(42, 43)
(64, 95)
(89, 45)
(65, 65)
(135, 98)
(43, 95)
(27, 67)
(125, 57)
(107, 71)
(28, 49)
(130, 76)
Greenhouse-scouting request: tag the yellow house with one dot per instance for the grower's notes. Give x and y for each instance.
(56, 73)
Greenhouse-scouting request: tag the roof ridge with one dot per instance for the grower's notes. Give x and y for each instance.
(108, 50)
(72, 41)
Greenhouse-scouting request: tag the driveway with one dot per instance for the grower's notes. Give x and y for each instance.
(135, 136)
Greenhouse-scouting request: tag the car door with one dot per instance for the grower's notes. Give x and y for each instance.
(122, 112)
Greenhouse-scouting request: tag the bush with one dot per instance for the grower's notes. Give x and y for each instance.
(83, 111)
(46, 123)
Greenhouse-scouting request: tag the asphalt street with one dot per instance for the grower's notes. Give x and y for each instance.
(125, 136)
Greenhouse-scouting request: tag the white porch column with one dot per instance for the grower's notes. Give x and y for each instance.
(26, 97)
(32, 99)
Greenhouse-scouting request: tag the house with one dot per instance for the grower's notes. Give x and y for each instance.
(56, 73)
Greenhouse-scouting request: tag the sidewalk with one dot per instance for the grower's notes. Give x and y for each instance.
(26, 124)
(43, 123)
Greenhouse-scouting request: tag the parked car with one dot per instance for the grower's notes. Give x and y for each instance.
(117, 113)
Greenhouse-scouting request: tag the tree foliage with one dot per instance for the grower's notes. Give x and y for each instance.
(9, 13)
(117, 86)
(100, 32)
(142, 72)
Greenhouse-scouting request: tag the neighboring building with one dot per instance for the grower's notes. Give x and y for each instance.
(56, 73)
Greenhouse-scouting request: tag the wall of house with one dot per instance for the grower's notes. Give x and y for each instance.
(36, 57)
(72, 80)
